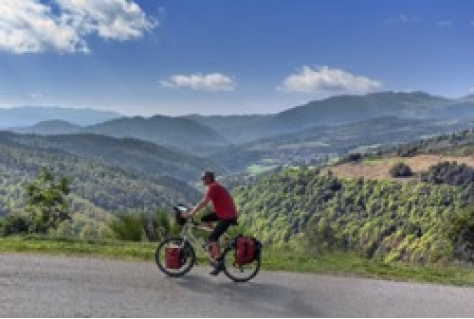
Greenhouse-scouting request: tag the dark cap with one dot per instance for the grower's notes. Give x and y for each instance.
(208, 175)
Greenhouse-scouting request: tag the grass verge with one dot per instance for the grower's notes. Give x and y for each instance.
(334, 263)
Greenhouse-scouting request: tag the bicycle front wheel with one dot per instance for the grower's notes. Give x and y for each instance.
(187, 256)
(240, 273)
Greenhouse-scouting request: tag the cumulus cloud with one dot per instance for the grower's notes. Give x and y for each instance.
(30, 26)
(204, 82)
(327, 80)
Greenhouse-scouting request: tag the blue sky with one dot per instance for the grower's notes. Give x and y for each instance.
(229, 57)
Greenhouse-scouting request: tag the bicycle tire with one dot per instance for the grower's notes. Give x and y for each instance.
(229, 257)
(188, 250)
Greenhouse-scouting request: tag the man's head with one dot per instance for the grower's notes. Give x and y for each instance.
(208, 177)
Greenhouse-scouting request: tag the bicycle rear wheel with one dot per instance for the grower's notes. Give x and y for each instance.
(240, 273)
(187, 256)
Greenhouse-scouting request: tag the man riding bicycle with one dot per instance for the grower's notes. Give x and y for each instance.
(224, 214)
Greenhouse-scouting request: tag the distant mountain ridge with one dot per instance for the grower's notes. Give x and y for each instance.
(49, 127)
(205, 135)
(31, 115)
(179, 133)
(235, 128)
(351, 108)
(339, 110)
(172, 132)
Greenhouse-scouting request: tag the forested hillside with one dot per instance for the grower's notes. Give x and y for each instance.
(455, 144)
(107, 175)
(130, 154)
(414, 222)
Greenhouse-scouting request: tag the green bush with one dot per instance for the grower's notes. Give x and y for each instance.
(128, 227)
(461, 232)
(400, 170)
(140, 225)
(450, 173)
(14, 224)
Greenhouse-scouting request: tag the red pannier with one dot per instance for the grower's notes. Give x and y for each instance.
(245, 250)
(172, 258)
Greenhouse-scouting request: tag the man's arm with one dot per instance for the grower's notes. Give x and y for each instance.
(203, 203)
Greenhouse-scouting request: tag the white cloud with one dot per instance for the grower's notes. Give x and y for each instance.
(327, 80)
(471, 89)
(401, 19)
(205, 82)
(444, 24)
(29, 26)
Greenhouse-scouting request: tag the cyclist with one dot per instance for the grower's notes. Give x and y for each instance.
(224, 214)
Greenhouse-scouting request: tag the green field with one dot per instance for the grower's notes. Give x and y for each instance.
(308, 144)
(258, 169)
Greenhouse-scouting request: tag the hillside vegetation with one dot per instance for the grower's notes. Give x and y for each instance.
(107, 175)
(319, 212)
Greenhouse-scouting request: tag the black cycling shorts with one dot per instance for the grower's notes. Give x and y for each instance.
(221, 227)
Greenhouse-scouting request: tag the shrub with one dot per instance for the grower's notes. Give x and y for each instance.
(127, 227)
(353, 157)
(449, 173)
(400, 170)
(14, 224)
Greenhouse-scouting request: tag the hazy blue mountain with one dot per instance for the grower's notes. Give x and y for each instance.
(339, 110)
(205, 135)
(236, 128)
(351, 108)
(179, 133)
(467, 98)
(50, 127)
(27, 116)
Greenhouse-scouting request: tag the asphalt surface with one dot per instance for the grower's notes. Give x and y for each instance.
(46, 286)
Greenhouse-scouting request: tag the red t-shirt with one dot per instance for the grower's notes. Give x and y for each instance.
(222, 201)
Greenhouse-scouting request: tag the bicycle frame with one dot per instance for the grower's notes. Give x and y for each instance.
(187, 233)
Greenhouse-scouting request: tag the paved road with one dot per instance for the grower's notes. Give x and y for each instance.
(45, 286)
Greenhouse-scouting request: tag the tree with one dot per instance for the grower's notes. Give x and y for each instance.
(46, 201)
(461, 232)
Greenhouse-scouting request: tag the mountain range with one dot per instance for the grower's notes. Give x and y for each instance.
(326, 127)
(236, 129)
(30, 115)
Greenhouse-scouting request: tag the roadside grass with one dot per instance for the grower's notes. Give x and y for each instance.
(70, 246)
(273, 260)
(353, 265)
